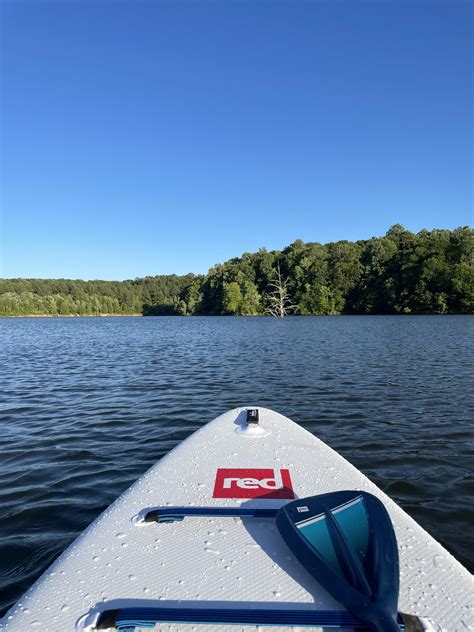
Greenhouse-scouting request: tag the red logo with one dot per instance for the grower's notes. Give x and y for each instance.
(252, 483)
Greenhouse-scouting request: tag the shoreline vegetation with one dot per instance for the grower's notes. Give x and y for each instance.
(224, 315)
(67, 315)
(429, 272)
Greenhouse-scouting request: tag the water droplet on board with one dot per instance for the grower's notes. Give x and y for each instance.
(96, 558)
(208, 550)
(132, 578)
(438, 561)
(64, 608)
(146, 590)
(276, 593)
(35, 624)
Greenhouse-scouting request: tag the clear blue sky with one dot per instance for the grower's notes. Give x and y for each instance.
(156, 137)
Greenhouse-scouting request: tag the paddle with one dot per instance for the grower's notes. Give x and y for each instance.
(346, 541)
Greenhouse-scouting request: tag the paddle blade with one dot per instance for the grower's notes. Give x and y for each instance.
(346, 541)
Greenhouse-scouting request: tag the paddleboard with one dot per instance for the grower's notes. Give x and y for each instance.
(123, 561)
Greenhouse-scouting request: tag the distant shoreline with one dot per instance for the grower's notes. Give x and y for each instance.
(222, 315)
(428, 272)
(65, 315)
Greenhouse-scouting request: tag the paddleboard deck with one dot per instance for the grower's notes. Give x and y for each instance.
(120, 561)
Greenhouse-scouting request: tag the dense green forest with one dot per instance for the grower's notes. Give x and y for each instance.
(400, 273)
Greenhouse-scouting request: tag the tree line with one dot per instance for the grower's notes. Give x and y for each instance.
(399, 273)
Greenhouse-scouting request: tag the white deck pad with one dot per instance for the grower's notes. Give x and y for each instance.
(229, 562)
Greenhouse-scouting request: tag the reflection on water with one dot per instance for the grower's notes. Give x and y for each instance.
(88, 404)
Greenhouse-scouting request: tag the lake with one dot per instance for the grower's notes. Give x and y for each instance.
(88, 404)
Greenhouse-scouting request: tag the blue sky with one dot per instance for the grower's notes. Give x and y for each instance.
(146, 138)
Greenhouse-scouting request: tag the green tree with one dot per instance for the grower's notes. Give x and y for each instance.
(232, 300)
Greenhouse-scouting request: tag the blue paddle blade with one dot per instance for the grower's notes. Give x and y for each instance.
(347, 542)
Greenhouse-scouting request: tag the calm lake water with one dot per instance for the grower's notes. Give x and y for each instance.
(88, 404)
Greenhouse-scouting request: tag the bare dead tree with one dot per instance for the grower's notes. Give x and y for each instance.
(278, 300)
